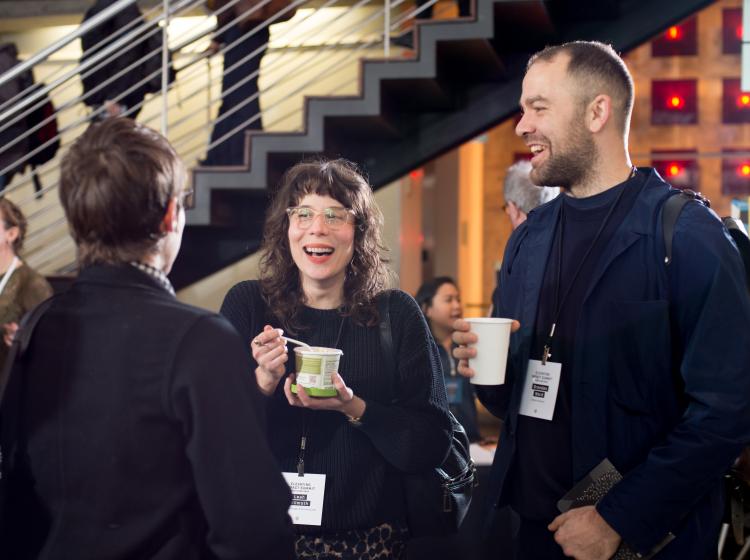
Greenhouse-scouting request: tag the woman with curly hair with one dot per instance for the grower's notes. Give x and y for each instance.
(322, 272)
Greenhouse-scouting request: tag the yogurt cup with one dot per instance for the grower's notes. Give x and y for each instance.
(314, 367)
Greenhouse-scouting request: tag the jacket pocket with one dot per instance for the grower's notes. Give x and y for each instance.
(640, 353)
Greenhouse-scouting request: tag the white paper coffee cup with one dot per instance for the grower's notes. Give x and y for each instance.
(492, 350)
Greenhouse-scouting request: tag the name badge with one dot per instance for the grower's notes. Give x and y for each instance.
(307, 497)
(540, 390)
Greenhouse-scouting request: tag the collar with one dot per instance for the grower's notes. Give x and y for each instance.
(156, 274)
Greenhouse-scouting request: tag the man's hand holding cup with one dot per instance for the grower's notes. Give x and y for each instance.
(483, 344)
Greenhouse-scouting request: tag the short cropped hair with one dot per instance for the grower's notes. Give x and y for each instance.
(599, 69)
(518, 188)
(13, 217)
(116, 183)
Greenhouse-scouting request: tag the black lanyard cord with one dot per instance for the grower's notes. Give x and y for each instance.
(306, 414)
(559, 304)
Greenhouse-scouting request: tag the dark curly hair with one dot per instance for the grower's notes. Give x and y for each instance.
(366, 274)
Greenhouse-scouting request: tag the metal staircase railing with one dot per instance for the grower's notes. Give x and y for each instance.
(316, 52)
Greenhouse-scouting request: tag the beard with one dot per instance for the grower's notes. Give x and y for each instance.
(572, 164)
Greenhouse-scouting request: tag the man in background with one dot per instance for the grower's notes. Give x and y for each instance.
(618, 356)
(521, 195)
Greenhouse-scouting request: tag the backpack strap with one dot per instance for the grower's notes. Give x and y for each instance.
(386, 337)
(671, 212)
(737, 231)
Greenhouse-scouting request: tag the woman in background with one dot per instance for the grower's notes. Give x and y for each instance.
(21, 287)
(441, 304)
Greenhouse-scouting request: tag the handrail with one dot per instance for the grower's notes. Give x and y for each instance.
(49, 239)
(147, 33)
(111, 48)
(146, 15)
(141, 37)
(268, 68)
(99, 86)
(177, 142)
(99, 58)
(165, 69)
(42, 55)
(144, 24)
(180, 141)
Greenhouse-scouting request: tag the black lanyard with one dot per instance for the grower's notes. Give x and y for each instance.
(559, 304)
(306, 415)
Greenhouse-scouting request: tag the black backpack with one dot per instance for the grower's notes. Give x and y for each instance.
(671, 212)
(737, 479)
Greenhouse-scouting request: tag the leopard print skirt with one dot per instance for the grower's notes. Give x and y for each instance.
(384, 542)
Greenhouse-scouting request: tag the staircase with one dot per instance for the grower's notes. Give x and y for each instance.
(462, 78)
(465, 78)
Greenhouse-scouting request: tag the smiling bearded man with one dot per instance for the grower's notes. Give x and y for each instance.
(632, 366)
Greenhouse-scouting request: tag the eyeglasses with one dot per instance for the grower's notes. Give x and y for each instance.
(187, 198)
(335, 218)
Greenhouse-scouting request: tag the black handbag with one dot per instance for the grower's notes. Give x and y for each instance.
(436, 501)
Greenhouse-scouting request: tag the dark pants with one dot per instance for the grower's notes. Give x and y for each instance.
(231, 151)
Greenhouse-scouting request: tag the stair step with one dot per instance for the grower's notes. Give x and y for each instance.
(463, 76)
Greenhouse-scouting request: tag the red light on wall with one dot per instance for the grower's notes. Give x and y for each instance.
(673, 170)
(677, 40)
(731, 30)
(735, 172)
(675, 102)
(677, 171)
(674, 33)
(735, 103)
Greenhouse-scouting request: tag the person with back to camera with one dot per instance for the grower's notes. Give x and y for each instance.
(645, 364)
(21, 287)
(143, 429)
(440, 302)
(118, 86)
(321, 276)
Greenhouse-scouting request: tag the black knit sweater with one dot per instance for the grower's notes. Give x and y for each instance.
(362, 464)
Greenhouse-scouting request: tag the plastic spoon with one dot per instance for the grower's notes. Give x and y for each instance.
(297, 342)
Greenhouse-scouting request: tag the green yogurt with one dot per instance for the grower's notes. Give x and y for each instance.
(314, 367)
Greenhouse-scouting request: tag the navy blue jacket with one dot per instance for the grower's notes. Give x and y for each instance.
(660, 384)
